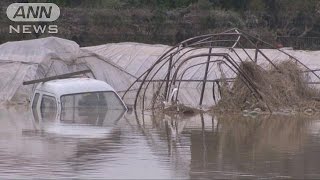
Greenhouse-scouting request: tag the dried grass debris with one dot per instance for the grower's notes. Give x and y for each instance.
(283, 86)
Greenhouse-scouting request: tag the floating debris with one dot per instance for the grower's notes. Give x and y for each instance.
(182, 109)
(286, 86)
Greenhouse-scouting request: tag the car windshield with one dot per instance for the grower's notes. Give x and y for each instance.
(90, 108)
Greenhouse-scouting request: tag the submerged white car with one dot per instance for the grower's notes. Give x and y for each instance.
(83, 102)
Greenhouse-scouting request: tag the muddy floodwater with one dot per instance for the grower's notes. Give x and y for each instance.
(166, 147)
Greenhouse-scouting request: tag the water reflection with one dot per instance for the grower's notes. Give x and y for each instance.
(248, 147)
(161, 146)
(79, 121)
(238, 146)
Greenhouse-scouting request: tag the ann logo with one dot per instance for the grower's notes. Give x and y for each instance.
(39, 12)
(33, 12)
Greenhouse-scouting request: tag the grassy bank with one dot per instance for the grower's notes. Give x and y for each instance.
(168, 22)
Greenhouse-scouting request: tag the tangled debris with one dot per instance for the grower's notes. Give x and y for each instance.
(282, 88)
(180, 108)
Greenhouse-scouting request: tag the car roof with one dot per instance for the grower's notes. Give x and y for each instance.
(61, 87)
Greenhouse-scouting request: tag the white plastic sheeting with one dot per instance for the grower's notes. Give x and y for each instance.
(32, 59)
(119, 64)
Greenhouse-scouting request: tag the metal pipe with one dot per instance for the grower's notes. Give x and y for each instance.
(62, 76)
(168, 78)
(205, 78)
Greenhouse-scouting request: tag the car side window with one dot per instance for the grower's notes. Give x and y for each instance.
(48, 107)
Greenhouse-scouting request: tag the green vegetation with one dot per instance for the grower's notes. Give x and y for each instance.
(91, 22)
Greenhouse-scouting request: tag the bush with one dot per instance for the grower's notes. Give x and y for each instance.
(222, 19)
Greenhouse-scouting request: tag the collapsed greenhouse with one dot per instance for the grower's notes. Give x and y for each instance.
(193, 73)
(34, 59)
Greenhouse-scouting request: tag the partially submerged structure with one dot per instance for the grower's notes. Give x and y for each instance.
(193, 72)
(34, 59)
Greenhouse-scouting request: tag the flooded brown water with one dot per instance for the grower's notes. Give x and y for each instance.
(202, 146)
